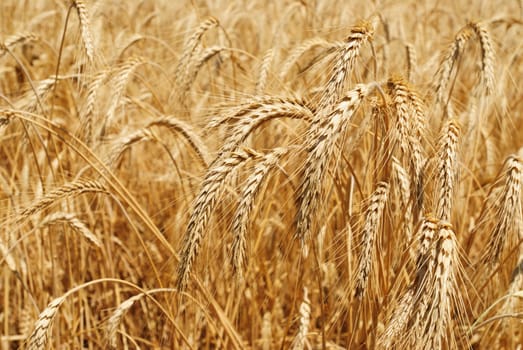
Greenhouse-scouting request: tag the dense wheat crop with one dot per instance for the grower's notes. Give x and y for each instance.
(261, 175)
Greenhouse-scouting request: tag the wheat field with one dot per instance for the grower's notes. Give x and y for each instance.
(261, 175)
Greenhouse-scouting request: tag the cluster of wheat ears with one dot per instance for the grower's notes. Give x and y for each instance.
(261, 175)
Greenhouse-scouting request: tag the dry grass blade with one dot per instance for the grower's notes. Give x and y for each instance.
(203, 207)
(321, 145)
(373, 218)
(243, 212)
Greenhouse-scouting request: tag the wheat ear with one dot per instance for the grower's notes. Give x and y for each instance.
(39, 336)
(344, 63)
(446, 170)
(305, 317)
(449, 60)
(81, 9)
(203, 207)
(509, 209)
(75, 223)
(373, 218)
(320, 146)
(242, 215)
(68, 190)
(487, 56)
(190, 46)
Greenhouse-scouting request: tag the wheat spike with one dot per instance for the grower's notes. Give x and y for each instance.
(67, 190)
(305, 317)
(321, 144)
(116, 318)
(81, 9)
(487, 56)
(203, 207)
(449, 60)
(373, 218)
(344, 63)
(446, 170)
(242, 215)
(188, 50)
(40, 334)
(75, 223)
(509, 209)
